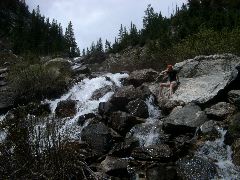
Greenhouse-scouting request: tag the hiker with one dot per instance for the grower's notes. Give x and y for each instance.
(173, 80)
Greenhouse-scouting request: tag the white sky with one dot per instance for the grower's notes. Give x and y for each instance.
(93, 19)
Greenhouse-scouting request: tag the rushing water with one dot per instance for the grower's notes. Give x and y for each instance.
(82, 93)
(221, 154)
(148, 132)
(3, 133)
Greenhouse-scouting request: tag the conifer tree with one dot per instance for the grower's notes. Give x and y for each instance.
(71, 44)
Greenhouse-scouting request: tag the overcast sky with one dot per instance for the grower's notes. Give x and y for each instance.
(100, 18)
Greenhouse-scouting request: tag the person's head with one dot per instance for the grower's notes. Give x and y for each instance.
(169, 67)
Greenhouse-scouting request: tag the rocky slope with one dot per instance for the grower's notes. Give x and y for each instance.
(124, 132)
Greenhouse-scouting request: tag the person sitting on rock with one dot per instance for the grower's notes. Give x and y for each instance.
(173, 80)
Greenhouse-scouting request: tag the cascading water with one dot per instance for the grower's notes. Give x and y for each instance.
(82, 93)
(148, 132)
(3, 134)
(221, 154)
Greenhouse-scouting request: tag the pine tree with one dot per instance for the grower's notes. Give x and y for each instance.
(71, 44)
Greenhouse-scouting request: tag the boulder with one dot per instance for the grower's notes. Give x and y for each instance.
(124, 149)
(161, 152)
(83, 69)
(208, 126)
(233, 129)
(184, 119)
(138, 77)
(204, 77)
(104, 108)
(122, 122)
(128, 93)
(99, 137)
(234, 97)
(66, 108)
(100, 92)
(161, 171)
(195, 168)
(167, 105)
(114, 166)
(209, 131)
(138, 108)
(82, 119)
(220, 111)
(182, 144)
(236, 152)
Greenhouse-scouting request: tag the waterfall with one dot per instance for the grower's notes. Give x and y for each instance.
(221, 155)
(82, 93)
(148, 132)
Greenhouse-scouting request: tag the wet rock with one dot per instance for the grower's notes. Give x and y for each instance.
(233, 129)
(100, 92)
(114, 166)
(167, 105)
(161, 171)
(99, 137)
(66, 108)
(128, 93)
(83, 69)
(122, 122)
(203, 77)
(208, 126)
(82, 119)
(124, 149)
(220, 111)
(184, 119)
(236, 152)
(234, 97)
(138, 77)
(182, 145)
(195, 168)
(104, 108)
(208, 130)
(138, 108)
(161, 152)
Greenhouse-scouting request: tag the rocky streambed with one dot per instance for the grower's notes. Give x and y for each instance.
(122, 131)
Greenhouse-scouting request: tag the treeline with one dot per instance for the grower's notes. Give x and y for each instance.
(34, 33)
(196, 19)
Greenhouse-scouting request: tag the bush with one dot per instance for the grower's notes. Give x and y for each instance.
(34, 152)
(208, 42)
(32, 82)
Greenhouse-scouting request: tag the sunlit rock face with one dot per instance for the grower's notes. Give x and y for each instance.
(203, 77)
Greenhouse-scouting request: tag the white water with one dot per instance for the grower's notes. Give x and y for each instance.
(82, 93)
(148, 132)
(221, 154)
(3, 133)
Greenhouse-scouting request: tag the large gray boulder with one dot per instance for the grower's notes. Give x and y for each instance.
(203, 77)
(66, 108)
(138, 108)
(99, 137)
(189, 115)
(138, 77)
(115, 166)
(220, 110)
(128, 93)
(122, 122)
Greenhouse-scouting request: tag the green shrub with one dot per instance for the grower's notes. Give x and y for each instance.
(32, 82)
(207, 42)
